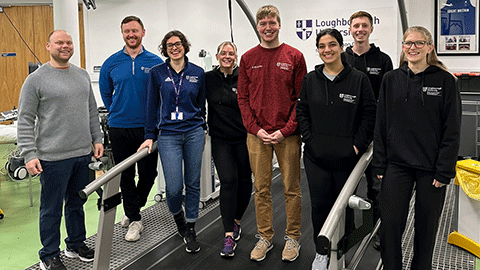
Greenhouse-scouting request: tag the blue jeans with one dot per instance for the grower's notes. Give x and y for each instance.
(62, 180)
(173, 149)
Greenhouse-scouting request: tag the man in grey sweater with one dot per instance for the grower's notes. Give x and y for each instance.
(57, 125)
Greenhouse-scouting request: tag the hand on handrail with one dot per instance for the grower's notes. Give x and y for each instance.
(146, 144)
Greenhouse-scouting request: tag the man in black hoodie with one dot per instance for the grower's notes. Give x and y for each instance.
(370, 60)
(365, 56)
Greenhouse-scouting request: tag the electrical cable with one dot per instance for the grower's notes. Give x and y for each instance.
(20, 35)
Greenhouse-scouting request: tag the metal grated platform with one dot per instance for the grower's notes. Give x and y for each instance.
(159, 225)
(445, 256)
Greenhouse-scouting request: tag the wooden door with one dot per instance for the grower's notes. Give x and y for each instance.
(34, 23)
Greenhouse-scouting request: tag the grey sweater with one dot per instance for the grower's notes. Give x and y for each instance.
(57, 114)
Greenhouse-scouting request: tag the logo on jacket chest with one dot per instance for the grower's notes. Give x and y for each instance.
(348, 98)
(285, 66)
(433, 91)
(192, 79)
(374, 71)
(145, 69)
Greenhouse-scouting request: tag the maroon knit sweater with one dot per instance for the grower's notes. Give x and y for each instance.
(269, 84)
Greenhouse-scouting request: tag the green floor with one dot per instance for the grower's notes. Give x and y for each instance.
(19, 235)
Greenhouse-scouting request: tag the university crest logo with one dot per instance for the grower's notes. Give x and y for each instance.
(304, 29)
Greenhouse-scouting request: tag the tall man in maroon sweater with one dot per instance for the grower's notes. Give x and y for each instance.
(269, 83)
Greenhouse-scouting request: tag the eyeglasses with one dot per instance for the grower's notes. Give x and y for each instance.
(177, 44)
(419, 44)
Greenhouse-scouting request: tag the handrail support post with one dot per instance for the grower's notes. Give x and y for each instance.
(106, 222)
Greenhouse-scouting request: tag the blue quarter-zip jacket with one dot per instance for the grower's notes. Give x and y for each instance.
(123, 86)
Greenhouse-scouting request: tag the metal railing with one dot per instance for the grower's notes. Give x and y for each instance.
(110, 199)
(333, 226)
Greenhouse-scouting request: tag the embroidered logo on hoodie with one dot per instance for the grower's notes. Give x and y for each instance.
(374, 71)
(348, 98)
(433, 91)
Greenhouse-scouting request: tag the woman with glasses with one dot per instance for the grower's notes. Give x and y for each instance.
(336, 117)
(416, 143)
(229, 144)
(176, 118)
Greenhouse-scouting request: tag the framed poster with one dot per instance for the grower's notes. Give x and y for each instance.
(457, 27)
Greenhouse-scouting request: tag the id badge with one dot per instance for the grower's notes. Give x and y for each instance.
(176, 115)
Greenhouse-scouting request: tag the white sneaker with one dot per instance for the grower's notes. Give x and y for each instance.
(134, 230)
(125, 221)
(320, 262)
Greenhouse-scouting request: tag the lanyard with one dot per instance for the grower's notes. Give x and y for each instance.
(177, 90)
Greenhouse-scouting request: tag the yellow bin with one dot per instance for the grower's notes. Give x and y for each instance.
(468, 235)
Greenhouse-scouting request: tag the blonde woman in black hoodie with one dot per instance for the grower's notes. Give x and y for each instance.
(416, 143)
(336, 117)
(229, 144)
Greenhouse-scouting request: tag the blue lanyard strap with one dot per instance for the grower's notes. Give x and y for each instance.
(177, 90)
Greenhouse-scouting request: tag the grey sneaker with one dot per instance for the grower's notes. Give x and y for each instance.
(259, 252)
(134, 230)
(125, 221)
(320, 262)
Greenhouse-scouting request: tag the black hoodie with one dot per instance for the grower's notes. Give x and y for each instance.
(333, 116)
(224, 119)
(418, 122)
(374, 63)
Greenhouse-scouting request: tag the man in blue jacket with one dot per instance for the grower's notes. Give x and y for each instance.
(123, 86)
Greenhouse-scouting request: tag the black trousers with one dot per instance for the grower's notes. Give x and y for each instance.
(373, 190)
(397, 186)
(325, 186)
(125, 142)
(233, 168)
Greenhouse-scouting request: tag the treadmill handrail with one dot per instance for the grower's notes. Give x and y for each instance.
(249, 15)
(116, 170)
(330, 225)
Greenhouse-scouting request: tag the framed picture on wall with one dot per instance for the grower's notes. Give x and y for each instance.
(457, 27)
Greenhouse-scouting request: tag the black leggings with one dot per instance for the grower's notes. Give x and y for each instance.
(233, 168)
(325, 186)
(397, 186)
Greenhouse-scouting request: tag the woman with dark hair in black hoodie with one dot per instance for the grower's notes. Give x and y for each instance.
(336, 117)
(416, 141)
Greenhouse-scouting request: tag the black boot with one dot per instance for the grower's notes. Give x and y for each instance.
(181, 223)
(190, 238)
